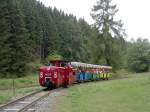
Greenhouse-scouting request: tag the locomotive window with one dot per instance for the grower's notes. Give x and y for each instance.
(52, 64)
(63, 64)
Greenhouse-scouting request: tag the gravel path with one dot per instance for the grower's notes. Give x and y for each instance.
(48, 104)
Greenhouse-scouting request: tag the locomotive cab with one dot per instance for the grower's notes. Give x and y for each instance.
(59, 63)
(55, 75)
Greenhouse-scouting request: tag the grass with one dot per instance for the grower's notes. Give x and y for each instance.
(7, 95)
(27, 81)
(122, 73)
(22, 86)
(125, 95)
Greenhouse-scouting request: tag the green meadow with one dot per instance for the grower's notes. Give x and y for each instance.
(123, 95)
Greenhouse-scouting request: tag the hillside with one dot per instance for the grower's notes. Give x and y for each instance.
(31, 32)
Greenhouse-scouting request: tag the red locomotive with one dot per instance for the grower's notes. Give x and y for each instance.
(64, 73)
(59, 73)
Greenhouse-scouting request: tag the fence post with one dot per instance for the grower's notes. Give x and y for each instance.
(13, 84)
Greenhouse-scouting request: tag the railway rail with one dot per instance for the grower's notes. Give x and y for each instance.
(25, 103)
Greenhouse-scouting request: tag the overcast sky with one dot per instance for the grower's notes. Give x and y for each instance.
(135, 14)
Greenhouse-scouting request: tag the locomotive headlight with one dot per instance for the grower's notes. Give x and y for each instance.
(55, 75)
(41, 74)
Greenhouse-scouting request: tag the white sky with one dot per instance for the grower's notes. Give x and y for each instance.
(135, 14)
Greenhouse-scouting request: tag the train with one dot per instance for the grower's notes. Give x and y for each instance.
(61, 73)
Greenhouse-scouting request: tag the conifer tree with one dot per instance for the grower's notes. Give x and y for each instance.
(4, 37)
(103, 14)
(15, 50)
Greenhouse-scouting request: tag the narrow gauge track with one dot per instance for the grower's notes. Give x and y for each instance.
(23, 104)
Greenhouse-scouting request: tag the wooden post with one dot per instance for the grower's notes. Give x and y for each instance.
(13, 84)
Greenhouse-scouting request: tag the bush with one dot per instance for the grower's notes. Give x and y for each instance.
(139, 56)
(54, 57)
(34, 66)
(139, 66)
